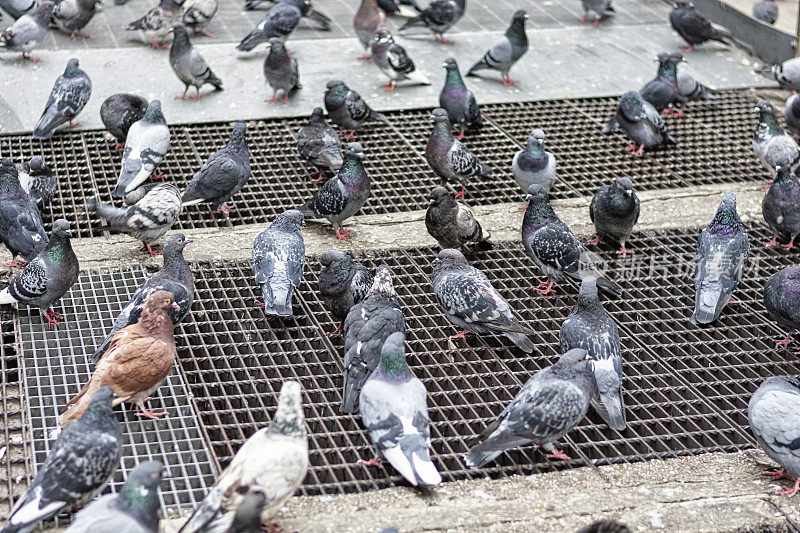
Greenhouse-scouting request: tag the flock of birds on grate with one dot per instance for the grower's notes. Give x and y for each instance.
(139, 352)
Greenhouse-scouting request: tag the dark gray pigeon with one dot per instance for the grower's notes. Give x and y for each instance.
(605, 526)
(452, 224)
(145, 146)
(774, 417)
(197, 14)
(400, 8)
(554, 248)
(367, 20)
(393, 60)
(223, 175)
(78, 467)
(614, 211)
(18, 8)
(70, 93)
(279, 256)
(280, 21)
(590, 327)
(781, 207)
(599, 9)
(71, 16)
(394, 409)
(366, 328)
(550, 404)
(787, 74)
(766, 10)
(347, 109)
(448, 157)
(175, 277)
(118, 113)
(150, 213)
(38, 180)
(459, 102)
(772, 145)
(318, 143)
(791, 113)
(533, 165)
(133, 510)
(189, 65)
(20, 221)
(280, 70)
(247, 518)
(157, 23)
(27, 31)
(469, 301)
(343, 195)
(692, 90)
(782, 300)
(722, 251)
(662, 91)
(342, 283)
(693, 26)
(438, 17)
(507, 51)
(640, 121)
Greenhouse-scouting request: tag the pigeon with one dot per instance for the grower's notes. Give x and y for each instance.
(247, 518)
(693, 27)
(452, 224)
(469, 301)
(280, 21)
(458, 101)
(772, 413)
(614, 211)
(78, 467)
(189, 65)
(175, 277)
(787, 74)
(133, 510)
(640, 121)
(662, 91)
(692, 90)
(279, 255)
(71, 16)
(70, 93)
(343, 195)
(347, 109)
(280, 70)
(722, 251)
(367, 20)
(394, 408)
(439, 16)
(18, 8)
(223, 175)
(553, 247)
(400, 8)
(782, 300)
(145, 146)
(319, 143)
(550, 404)
(118, 113)
(781, 207)
(20, 221)
(342, 283)
(157, 23)
(138, 360)
(534, 165)
(27, 31)
(772, 145)
(273, 461)
(766, 10)
(590, 327)
(605, 526)
(393, 60)
(791, 113)
(38, 180)
(48, 277)
(323, 20)
(197, 14)
(150, 213)
(366, 328)
(600, 9)
(448, 157)
(507, 51)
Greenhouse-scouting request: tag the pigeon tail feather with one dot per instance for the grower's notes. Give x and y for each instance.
(6, 298)
(476, 458)
(480, 65)
(611, 410)
(522, 341)
(115, 216)
(415, 22)
(206, 514)
(251, 41)
(609, 287)
(278, 297)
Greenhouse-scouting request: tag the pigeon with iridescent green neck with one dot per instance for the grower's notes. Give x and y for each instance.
(772, 145)
(347, 109)
(533, 165)
(70, 93)
(781, 207)
(662, 91)
(507, 51)
(458, 101)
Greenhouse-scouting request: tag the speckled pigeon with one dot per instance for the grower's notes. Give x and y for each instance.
(533, 165)
(280, 21)
(693, 26)
(691, 89)
(766, 10)
(791, 113)
(722, 251)
(590, 327)
(553, 247)
(366, 328)
(78, 467)
(343, 283)
(38, 180)
(614, 211)
(787, 74)
(393, 60)
(318, 143)
(640, 121)
(189, 65)
(197, 14)
(459, 102)
(279, 256)
(157, 23)
(20, 221)
(782, 300)
(438, 17)
(18, 8)
(507, 51)
(772, 145)
(281, 71)
(118, 113)
(599, 9)
(550, 404)
(347, 109)
(145, 146)
(452, 224)
(662, 91)
(27, 31)
(71, 16)
(70, 93)
(781, 207)
(367, 20)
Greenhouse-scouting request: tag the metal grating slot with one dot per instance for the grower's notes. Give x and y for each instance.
(14, 450)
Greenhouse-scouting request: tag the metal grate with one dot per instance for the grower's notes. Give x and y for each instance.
(14, 450)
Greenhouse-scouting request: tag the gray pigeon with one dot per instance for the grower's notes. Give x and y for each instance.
(20, 221)
(157, 22)
(175, 277)
(693, 26)
(459, 102)
(27, 31)
(70, 93)
(590, 327)
(318, 143)
(280, 70)
(18, 8)
(469, 301)
(247, 518)
(605, 526)
(367, 20)
(151, 212)
(347, 109)
(223, 175)
(507, 51)
(145, 146)
(722, 251)
(599, 9)
(662, 91)
(452, 224)
(38, 180)
(791, 113)
(71, 16)
(691, 89)
(533, 165)
(550, 404)
(342, 283)
(766, 10)
(393, 60)
(438, 17)
(448, 157)
(189, 65)
(274, 461)
(118, 113)
(772, 145)
(133, 510)
(280, 21)
(554, 248)
(279, 256)
(198, 13)
(614, 211)
(787, 74)
(343, 195)
(781, 207)
(366, 328)
(782, 300)
(78, 467)
(640, 121)
(48, 277)
(394, 408)
(774, 417)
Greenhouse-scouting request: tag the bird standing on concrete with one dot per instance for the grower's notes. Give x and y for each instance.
(70, 93)
(693, 26)
(281, 71)
(438, 17)
(28, 31)
(279, 256)
(71, 16)
(791, 113)
(600, 9)
(145, 146)
(157, 22)
(18, 8)
(393, 60)
(452, 224)
(507, 51)
(459, 102)
(280, 21)
(366, 22)
(189, 65)
(614, 211)
(197, 14)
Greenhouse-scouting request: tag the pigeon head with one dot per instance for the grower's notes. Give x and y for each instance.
(354, 150)
(153, 113)
(44, 11)
(516, 31)
(439, 115)
(726, 222)
(764, 108)
(72, 68)
(536, 194)
(239, 132)
(577, 359)
(520, 15)
(289, 419)
(587, 297)
(536, 141)
(682, 4)
(276, 45)
(179, 29)
(317, 116)
(448, 258)
(174, 245)
(100, 404)
(783, 173)
(9, 180)
(624, 185)
(333, 256)
(336, 86)
(383, 35)
(632, 106)
(291, 220)
(139, 495)
(248, 514)
(161, 301)
(450, 64)
(6, 165)
(668, 64)
(393, 356)
(61, 229)
(439, 195)
(382, 283)
(36, 163)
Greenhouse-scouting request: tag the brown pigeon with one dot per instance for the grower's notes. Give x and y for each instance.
(138, 360)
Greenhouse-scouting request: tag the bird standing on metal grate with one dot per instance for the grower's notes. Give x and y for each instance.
(773, 146)
(342, 283)
(614, 211)
(347, 109)
(21, 227)
(70, 93)
(279, 256)
(38, 180)
(781, 207)
(118, 113)
(452, 223)
(640, 121)
(782, 301)
(146, 145)
(534, 165)
(438, 17)
(459, 102)
(319, 144)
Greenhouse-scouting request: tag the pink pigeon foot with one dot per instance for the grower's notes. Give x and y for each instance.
(548, 287)
(226, 209)
(790, 491)
(786, 341)
(596, 240)
(375, 461)
(461, 335)
(149, 413)
(558, 454)
(53, 318)
(344, 234)
(624, 251)
(149, 250)
(773, 242)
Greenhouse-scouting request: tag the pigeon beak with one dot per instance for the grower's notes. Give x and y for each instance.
(176, 306)
(444, 65)
(628, 192)
(187, 241)
(69, 233)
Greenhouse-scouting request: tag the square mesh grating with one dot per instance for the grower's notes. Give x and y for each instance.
(14, 449)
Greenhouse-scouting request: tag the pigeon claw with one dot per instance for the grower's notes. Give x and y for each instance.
(319, 176)
(558, 454)
(461, 335)
(338, 330)
(350, 134)
(149, 413)
(790, 491)
(119, 147)
(73, 124)
(388, 87)
(461, 136)
(16, 263)
(260, 304)
(508, 82)
(442, 40)
(225, 208)
(776, 474)
(786, 341)
(275, 528)
(375, 461)
(624, 251)
(461, 194)
(53, 318)
(548, 287)
(159, 176)
(585, 18)
(285, 98)
(773, 242)
(30, 58)
(273, 99)
(344, 234)
(206, 33)
(789, 246)
(596, 23)
(149, 250)
(597, 240)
